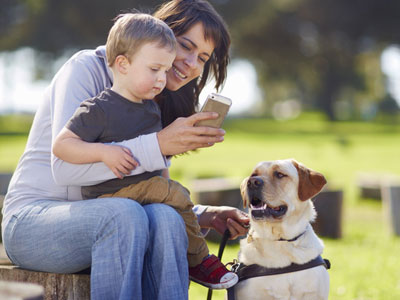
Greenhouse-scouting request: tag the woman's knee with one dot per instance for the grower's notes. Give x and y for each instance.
(166, 224)
(127, 215)
(164, 216)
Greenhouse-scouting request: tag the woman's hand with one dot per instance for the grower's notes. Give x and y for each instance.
(222, 217)
(182, 136)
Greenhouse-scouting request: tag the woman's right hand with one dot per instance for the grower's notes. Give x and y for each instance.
(182, 136)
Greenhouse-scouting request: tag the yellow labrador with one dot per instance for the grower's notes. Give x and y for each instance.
(280, 236)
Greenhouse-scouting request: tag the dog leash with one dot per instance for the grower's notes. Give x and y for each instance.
(221, 249)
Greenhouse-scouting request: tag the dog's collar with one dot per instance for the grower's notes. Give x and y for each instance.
(250, 237)
(293, 239)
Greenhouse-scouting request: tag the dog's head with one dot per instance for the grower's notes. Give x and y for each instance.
(277, 190)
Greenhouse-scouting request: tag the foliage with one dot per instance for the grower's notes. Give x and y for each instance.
(51, 26)
(321, 53)
(15, 124)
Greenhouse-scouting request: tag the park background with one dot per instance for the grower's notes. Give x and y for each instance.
(313, 80)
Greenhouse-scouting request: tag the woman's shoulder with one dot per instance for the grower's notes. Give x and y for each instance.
(90, 59)
(90, 55)
(89, 64)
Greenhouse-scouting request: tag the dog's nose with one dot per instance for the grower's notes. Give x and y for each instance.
(254, 183)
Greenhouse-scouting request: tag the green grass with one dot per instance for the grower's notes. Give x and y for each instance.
(365, 263)
(11, 149)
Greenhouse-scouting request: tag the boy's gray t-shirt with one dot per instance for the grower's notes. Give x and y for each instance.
(108, 118)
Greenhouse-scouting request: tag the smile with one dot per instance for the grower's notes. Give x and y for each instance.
(178, 73)
(261, 210)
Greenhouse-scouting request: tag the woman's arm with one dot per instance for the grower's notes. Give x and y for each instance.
(221, 218)
(146, 152)
(84, 76)
(71, 148)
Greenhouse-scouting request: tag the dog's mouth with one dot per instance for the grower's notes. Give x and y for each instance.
(261, 210)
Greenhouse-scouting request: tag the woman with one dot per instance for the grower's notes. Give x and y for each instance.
(134, 251)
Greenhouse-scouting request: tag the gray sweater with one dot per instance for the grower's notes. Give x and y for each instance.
(39, 174)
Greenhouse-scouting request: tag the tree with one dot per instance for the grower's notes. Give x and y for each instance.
(52, 26)
(317, 47)
(318, 51)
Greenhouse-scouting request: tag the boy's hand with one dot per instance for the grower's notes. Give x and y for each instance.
(119, 159)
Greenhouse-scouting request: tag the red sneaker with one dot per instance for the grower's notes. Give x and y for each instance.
(213, 274)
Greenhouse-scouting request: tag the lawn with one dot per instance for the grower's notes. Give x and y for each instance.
(365, 262)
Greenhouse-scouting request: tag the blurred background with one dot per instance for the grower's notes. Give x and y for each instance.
(316, 80)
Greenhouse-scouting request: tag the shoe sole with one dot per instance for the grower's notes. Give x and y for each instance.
(217, 286)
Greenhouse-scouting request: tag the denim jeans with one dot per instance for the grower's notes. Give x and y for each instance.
(134, 251)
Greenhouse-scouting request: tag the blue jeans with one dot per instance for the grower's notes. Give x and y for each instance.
(135, 252)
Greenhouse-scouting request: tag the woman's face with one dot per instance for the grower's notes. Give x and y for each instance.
(193, 51)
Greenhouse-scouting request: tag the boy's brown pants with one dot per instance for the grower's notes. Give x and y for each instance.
(162, 190)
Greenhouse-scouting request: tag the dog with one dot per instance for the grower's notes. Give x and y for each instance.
(278, 195)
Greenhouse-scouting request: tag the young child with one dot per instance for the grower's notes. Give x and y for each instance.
(140, 50)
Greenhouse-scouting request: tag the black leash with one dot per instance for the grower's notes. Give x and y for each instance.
(222, 245)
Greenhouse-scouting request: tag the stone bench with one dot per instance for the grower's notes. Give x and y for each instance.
(20, 291)
(56, 286)
(370, 184)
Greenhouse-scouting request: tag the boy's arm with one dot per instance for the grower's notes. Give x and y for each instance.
(71, 148)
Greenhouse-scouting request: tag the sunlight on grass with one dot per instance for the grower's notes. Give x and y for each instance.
(11, 150)
(365, 262)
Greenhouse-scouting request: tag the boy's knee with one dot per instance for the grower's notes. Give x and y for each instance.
(180, 196)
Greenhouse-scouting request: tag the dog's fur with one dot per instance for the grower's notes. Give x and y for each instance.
(278, 194)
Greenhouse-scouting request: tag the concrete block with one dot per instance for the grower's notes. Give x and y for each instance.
(329, 206)
(391, 207)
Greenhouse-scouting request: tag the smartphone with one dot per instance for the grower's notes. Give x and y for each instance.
(215, 103)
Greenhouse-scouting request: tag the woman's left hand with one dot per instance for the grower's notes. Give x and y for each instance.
(221, 218)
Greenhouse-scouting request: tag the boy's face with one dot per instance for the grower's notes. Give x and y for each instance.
(147, 72)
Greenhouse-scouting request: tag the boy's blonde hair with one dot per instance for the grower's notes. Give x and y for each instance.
(132, 30)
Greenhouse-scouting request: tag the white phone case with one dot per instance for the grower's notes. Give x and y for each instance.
(215, 103)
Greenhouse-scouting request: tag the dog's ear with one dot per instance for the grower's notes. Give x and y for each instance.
(310, 182)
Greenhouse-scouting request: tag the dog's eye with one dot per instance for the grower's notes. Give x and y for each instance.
(279, 175)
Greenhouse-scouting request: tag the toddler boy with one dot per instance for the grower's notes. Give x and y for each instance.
(140, 50)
